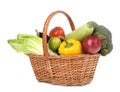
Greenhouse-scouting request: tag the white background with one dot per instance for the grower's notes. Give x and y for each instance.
(24, 16)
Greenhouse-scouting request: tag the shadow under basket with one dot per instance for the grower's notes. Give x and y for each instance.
(65, 70)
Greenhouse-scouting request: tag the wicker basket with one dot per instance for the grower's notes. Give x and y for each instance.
(63, 70)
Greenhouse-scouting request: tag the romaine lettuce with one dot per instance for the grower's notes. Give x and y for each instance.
(27, 44)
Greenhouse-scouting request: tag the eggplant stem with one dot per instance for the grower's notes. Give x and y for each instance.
(37, 33)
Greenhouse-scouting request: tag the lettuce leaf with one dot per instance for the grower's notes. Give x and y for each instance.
(27, 44)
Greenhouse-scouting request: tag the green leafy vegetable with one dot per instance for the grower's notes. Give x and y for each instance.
(27, 44)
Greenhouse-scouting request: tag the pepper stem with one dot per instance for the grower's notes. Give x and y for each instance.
(67, 43)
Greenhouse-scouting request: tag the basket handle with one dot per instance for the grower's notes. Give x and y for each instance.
(45, 28)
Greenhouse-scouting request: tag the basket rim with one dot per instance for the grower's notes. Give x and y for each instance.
(80, 55)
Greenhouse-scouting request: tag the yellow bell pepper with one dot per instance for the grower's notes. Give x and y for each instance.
(70, 47)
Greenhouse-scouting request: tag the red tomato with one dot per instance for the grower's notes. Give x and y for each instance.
(92, 44)
(57, 31)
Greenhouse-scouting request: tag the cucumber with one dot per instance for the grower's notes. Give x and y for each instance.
(82, 32)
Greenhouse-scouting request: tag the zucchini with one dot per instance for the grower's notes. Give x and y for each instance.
(82, 32)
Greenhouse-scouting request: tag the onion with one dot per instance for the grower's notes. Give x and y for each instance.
(92, 44)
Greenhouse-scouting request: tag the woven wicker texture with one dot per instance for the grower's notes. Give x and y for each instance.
(63, 70)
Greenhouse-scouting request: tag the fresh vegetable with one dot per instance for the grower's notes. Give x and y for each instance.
(92, 44)
(54, 43)
(28, 44)
(103, 33)
(39, 34)
(82, 32)
(70, 47)
(57, 31)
